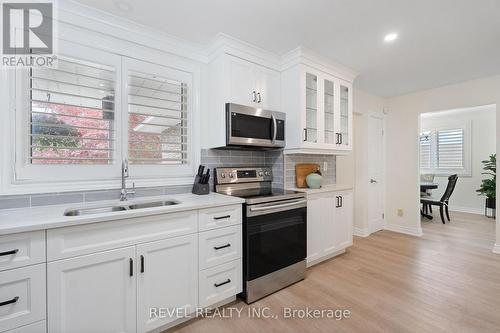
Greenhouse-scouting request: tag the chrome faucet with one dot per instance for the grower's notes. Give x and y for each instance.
(124, 192)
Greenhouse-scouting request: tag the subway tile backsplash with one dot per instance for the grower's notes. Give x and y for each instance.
(283, 169)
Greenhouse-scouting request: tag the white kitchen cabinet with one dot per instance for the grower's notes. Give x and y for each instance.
(167, 273)
(318, 103)
(329, 224)
(93, 293)
(251, 84)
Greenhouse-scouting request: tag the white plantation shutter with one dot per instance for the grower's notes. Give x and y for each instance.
(425, 150)
(158, 120)
(450, 149)
(72, 113)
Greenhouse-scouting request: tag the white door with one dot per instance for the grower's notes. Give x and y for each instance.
(375, 173)
(167, 279)
(269, 89)
(329, 229)
(93, 293)
(314, 232)
(343, 219)
(242, 81)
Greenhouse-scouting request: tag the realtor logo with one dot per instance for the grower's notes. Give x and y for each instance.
(27, 28)
(27, 34)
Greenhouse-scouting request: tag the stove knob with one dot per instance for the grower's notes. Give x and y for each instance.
(231, 175)
(267, 173)
(260, 173)
(223, 175)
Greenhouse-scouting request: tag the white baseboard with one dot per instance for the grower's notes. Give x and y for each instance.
(413, 231)
(469, 210)
(361, 232)
(496, 249)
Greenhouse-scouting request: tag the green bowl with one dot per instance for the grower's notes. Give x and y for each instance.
(314, 180)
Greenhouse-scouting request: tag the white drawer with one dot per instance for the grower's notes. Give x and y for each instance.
(220, 282)
(217, 217)
(38, 327)
(23, 249)
(219, 246)
(90, 238)
(24, 288)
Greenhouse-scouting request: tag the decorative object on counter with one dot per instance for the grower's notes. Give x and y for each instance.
(314, 180)
(302, 171)
(201, 185)
(488, 186)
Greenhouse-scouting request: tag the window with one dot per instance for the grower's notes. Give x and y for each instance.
(158, 131)
(72, 114)
(75, 123)
(445, 150)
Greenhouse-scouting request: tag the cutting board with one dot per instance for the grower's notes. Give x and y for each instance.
(302, 171)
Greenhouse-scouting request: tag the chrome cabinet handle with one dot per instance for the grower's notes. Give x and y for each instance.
(254, 94)
(222, 283)
(8, 253)
(305, 134)
(260, 99)
(11, 301)
(222, 246)
(373, 181)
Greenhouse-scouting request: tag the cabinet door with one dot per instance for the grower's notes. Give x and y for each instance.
(269, 89)
(167, 274)
(329, 85)
(314, 228)
(93, 293)
(345, 116)
(328, 223)
(344, 221)
(311, 129)
(242, 81)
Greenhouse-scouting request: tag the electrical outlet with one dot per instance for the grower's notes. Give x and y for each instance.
(325, 166)
(400, 212)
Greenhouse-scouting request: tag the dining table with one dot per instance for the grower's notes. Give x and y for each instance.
(424, 187)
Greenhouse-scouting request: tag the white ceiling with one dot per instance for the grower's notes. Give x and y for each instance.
(440, 41)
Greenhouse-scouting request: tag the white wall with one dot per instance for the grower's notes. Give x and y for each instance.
(483, 134)
(352, 169)
(402, 124)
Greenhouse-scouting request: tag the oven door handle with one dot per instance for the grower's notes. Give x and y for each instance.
(258, 209)
(275, 129)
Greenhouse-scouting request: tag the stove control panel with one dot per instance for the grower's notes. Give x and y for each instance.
(243, 175)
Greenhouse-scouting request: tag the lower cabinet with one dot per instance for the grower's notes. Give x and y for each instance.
(329, 224)
(93, 293)
(166, 280)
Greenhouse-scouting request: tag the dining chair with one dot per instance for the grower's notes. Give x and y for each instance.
(443, 203)
(427, 178)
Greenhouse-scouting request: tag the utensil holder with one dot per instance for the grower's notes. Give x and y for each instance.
(200, 189)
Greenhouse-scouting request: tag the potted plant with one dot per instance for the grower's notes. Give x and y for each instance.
(488, 185)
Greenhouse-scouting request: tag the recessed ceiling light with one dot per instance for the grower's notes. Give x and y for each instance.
(390, 37)
(123, 6)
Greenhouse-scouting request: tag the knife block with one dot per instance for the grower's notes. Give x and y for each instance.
(200, 189)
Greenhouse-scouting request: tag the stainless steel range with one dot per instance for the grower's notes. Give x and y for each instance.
(274, 230)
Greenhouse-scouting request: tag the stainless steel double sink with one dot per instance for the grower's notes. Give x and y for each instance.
(119, 208)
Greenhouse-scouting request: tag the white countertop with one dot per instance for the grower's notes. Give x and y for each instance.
(49, 217)
(325, 188)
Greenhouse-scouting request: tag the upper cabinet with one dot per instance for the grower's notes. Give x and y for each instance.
(318, 103)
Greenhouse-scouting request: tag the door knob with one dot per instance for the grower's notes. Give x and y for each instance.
(373, 181)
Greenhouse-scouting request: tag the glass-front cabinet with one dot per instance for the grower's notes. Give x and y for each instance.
(327, 117)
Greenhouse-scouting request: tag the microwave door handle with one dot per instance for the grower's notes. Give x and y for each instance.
(275, 128)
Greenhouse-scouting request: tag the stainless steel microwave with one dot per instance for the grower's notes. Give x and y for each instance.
(254, 127)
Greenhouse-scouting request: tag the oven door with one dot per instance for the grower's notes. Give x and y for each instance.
(274, 238)
(247, 126)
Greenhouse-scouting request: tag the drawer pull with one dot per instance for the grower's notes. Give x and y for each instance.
(8, 253)
(12, 301)
(222, 283)
(222, 217)
(142, 264)
(131, 267)
(222, 246)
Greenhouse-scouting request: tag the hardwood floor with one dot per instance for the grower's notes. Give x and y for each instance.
(446, 281)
